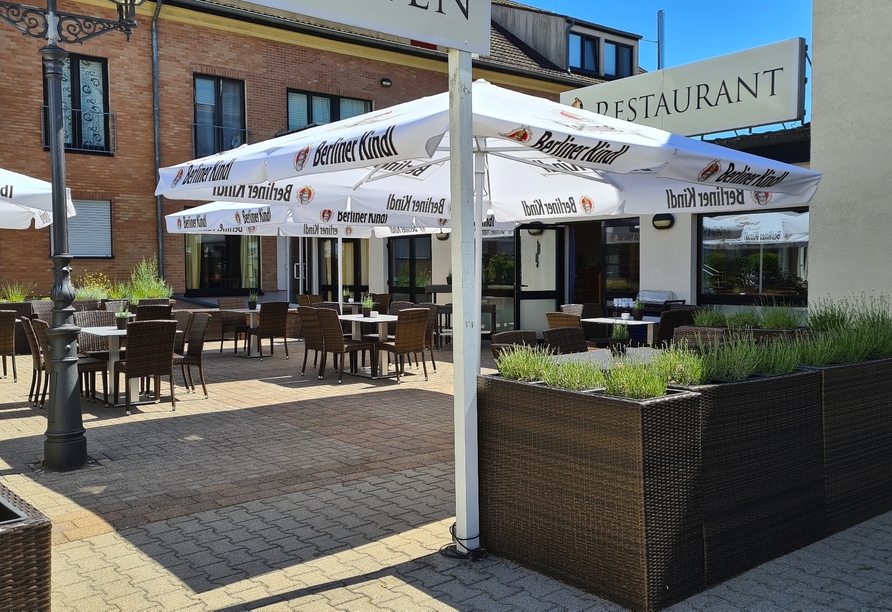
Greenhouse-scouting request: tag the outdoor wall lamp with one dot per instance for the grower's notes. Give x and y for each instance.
(538, 230)
(663, 221)
(385, 82)
(442, 236)
(65, 445)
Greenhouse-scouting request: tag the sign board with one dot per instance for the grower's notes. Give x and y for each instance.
(760, 86)
(457, 24)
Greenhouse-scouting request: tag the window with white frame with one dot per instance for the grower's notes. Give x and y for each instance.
(583, 53)
(89, 231)
(617, 60)
(306, 108)
(220, 123)
(86, 122)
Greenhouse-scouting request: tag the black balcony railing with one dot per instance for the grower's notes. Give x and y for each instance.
(210, 139)
(85, 131)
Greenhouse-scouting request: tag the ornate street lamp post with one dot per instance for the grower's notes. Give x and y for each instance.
(65, 447)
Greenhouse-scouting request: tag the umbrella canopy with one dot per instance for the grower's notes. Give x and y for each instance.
(24, 200)
(543, 161)
(773, 229)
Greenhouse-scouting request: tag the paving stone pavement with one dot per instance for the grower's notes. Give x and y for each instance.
(283, 492)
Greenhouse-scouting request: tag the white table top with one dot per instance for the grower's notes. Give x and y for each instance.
(621, 321)
(385, 318)
(104, 331)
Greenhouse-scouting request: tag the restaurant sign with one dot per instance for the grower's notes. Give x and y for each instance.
(760, 86)
(457, 24)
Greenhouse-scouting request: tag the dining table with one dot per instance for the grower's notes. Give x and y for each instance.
(651, 323)
(114, 336)
(356, 333)
(253, 322)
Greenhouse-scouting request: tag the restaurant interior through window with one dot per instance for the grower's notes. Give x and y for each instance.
(219, 264)
(621, 243)
(754, 258)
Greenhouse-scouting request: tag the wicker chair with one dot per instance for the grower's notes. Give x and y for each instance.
(411, 327)
(314, 299)
(37, 363)
(309, 323)
(7, 340)
(596, 333)
(370, 330)
(197, 332)
(382, 301)
(562, 319)
(183, 319)
(152, 312)
(234, 322)
(431, 329)
(302, 299)
(91, 345)
(273, 324)
(563, 340)
(333, 342)
(87, 367)
(149, 354)
(669, 320)
(505, 340)
(43, 309)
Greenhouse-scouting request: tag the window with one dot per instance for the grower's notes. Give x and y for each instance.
(621, 240)
(745, 257)
(89, 231)
(617, 60)
(218, 264)
(310, 108)
(353, 263)
(219, 115)
(583, 53)
(88, 126)
(410, 267)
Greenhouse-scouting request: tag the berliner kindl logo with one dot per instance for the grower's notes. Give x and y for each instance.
(301, 158)
(238, 218)
(348, 230)
(305, 194)
(587, 204)
(176, 180)
(325, 215)
(709, 171)
(762, 198)
(521, 134)
(179, 224)
(442, 222)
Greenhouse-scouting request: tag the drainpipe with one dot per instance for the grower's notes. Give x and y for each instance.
(156, 118)
(570, 24)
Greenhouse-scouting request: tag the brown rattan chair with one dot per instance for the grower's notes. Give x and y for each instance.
(183, 319)
(152, 312)
(272, 323)
(7, 340)
(562, 319)
(37, 364)
(43, 309)
(293, 327)
(232, 322)
(505, 340)
(314, 299)
(309, 324)
(149, 355)
(596, 333)
(669, 320)
(431, 329)
(411, 326)
(563, 340)
(197, 332)
(302, 299)
(393, 308)
(87, 367)
(91, 345)
(334, 342)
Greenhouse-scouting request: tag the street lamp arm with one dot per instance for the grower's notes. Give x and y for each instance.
(71, 28)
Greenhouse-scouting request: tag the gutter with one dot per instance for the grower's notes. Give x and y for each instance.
(156, 120)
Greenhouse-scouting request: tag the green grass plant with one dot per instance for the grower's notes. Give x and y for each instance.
(145, 282)
(574, 375)
(826, 314)
(527, 363)
(780, 357)
(744, 319)
(781, 317)
(680, 365)
(15, 292)
(635, 380)
(707, 317)
(736, 358)
(620, 332)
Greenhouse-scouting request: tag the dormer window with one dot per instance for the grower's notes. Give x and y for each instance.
(583, 55)
(617, 60)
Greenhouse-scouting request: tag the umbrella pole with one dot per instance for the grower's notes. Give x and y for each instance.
(466, 345)
(761, 254)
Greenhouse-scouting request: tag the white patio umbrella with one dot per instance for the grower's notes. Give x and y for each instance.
(541, 139)
(25, 200)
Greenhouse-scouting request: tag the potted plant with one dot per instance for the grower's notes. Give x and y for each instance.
(368, 302)
(619, 339)
(122, 316)
(346, 294)
(252, 300)
(449, 277)
(638, 310)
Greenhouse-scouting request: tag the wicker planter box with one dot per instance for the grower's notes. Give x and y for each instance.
(596, 491)
(763, 470)
(857, 407)
(25, 551)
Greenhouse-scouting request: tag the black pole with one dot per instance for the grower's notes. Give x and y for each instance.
(65, 447)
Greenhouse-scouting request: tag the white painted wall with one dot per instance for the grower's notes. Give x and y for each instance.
(669, 257)
(850, 246)
(378, 265)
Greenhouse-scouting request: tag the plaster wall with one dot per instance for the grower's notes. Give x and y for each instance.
(669, 257)
(850, 242)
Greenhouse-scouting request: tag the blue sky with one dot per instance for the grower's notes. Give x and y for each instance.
(693, 30)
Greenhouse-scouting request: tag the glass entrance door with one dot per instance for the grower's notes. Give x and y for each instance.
(540, 280)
